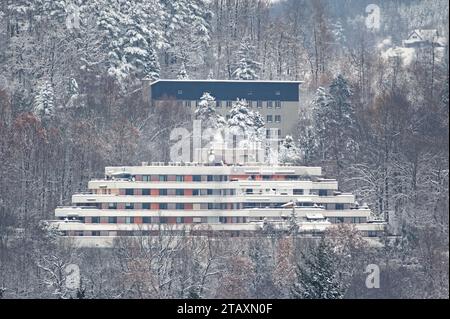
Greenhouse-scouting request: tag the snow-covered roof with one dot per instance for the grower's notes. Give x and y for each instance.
(315, 216)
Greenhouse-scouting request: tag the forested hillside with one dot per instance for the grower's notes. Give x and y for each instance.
(374, 115)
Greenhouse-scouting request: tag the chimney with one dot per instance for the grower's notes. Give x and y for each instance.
(146, 90)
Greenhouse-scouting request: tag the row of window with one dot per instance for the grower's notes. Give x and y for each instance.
(179, 219)
(270, 119)
(202, 206)
(182, 178)
(214, 178)
(221, 192)
(251, 104)
(165, 220)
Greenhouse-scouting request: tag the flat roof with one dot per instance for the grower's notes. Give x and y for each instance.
(226, 90)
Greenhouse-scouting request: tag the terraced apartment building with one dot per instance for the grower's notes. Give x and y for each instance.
(209, 200)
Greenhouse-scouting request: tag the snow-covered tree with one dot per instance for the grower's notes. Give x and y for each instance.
(131, 38)
(182, 74)
(289, 152)
(206, 112)
(246, 122)
(44, 101)
(247, 68)
(334, 121)
(317, 276)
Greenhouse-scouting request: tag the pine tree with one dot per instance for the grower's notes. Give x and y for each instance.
(131, 39)
(206, 112)
(289, 152)
(247, 68)
(44, 102)
(182, 74)
(334, 122)
(317, 277)
(246, 122)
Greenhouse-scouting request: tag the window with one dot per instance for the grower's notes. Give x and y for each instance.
(145, 191)
(266, 177)
(129, 220)
(112, 220)
(279, 132)
(179, 192)
(277, 118)
(129, 191)
(145, 205)
(269, 104)
(218, 104)
(339, 206)
(229, 104)
(163, 178)
(129, 206)
(179, 206)
(146, 220)
(163, 220)
(222, 220)
(277, 93)
(163, 192)
(187, 103)
(146, 178)
(196, 103)
(112, 205)
(195, 192)
(210, 178)
(197, 178)
(209, 192)
(269, 118)
(278, 104)
(95, 220)
(259, 104)
(180, 178)
(180, 92)
(250, 104)
(180, 220)
(323, 192)
(96, 233)
(298, 191)
(228, 117)
(267, 133)
(162, 206)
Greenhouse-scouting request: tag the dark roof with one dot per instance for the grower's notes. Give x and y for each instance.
(226, 90)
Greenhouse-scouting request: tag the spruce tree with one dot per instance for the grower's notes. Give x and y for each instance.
(317, 276)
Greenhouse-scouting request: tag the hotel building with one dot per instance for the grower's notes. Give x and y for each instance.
(210, 200)
(278, 102)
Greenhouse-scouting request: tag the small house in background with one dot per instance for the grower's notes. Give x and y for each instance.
(424, 38)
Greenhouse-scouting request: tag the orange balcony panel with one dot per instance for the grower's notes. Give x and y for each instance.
(188, 178)
(188, 192)
(154, 206)
(138, 220)
(188, 206)
(154, 192)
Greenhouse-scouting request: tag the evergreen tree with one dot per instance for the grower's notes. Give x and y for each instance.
(247, 68)
(246, 122)
(182, 74)
(206, 112)
(44, 102)
(334, 122)
(131, 39)
(317, 277)
(289, 152)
